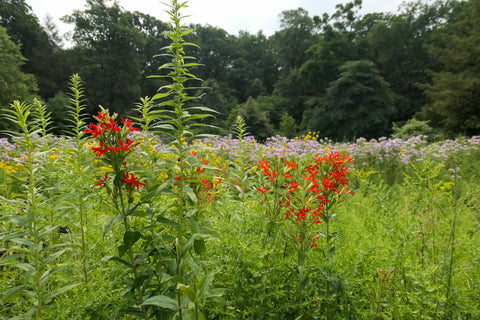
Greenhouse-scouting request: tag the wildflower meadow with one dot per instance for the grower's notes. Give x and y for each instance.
(142, 217)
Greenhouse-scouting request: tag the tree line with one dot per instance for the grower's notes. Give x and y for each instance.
(344, 75)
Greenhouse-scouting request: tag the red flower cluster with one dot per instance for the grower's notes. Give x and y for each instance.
(114, 144)
(310, 190)
(105, 131)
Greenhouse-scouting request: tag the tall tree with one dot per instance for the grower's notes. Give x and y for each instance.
(454, 96)
(336, 44)
(112, 54)
(294, 38)
(153, 30)
(290, 46)
(42, 56)
(14, 84)
(398, 45)
(253, 69)
(214, 51)
(357, 104)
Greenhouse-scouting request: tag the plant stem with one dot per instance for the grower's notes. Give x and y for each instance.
(84, 242)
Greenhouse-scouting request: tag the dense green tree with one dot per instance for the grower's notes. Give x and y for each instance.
(253, 69)
(398, 45)
(453, 98)
(288, 127)
(58, 108)
(44, 59)
(112, 61)
(334, 46)
(219, 97)
(153, 31)
(357, 104)
(294, 38)
(214, 51)
(256, 119)
(14, 84)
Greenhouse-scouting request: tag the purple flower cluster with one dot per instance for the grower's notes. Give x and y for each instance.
(363, 151)
(6, 149)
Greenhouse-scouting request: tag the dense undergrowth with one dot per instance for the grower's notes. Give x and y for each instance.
(405, 245)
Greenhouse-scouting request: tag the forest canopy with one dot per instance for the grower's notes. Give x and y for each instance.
(344, 75)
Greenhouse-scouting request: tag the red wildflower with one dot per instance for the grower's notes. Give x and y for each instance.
(200, 169)
(302, 213)
(265, 166)
(95, 130)
(112, 148)
(130, 179)
(102, 115)
(290, 164)
(102, 181)
(99, 151)
(205, 183)
(263, 189)
(289, 212)
(313, 242)
(125, 146)
(111, 125)
(328, 184)
(287, 174)
(294, 185)
(273, 175)
(128, 124)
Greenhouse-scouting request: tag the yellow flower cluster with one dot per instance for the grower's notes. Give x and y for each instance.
(447, 186)
(311, 135)
(7, 168)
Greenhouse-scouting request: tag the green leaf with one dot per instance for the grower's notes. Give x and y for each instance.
(115, 258)
(14, 235)
(160, 95)
(48, 297)
(168, 222)
(191, 313)
(191, 194)
(13, 293)
(130, 237)
(111, 223)
(25, 267)
(199, 245)
(205, 282)
(162, 302)
(213, 293)
(187, 290)
(9, 259)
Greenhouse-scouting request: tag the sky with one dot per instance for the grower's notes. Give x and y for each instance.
(231, 15)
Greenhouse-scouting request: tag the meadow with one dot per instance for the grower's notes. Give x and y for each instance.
(147, 218)
(402, 244)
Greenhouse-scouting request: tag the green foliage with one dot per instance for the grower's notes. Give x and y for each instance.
(33, 248)
(111, 63)
(453, 96)
(288, 127)
(412, 128)
(14, 83)
(45, 60)
(144, 228)
(256, 118)
(57, 106)
(357, 104)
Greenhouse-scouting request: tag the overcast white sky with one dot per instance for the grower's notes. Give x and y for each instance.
(232, 16)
